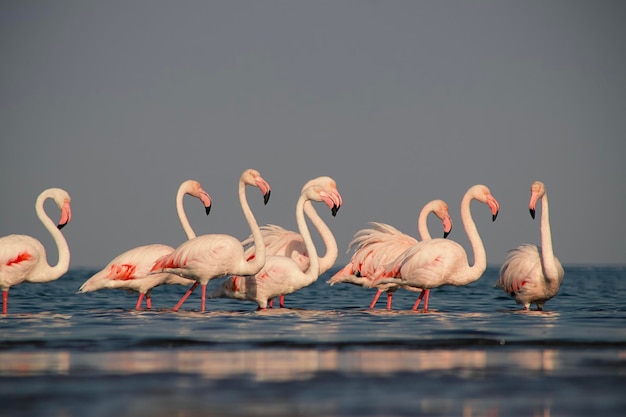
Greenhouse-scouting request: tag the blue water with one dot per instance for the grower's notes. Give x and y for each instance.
(474, 354)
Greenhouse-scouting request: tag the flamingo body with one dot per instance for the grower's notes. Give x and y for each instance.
(283, 275)
(23, 258)
(206, 257)
(131, 269)
(378, 246)
(436, 262)
(283, 242)
(532, 274)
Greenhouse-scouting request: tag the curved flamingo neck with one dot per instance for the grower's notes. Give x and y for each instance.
(473, 272)
(422, 222)
(314, 262)
(255, 265)
(547, 252)
(45, 271)
(182, 215)
(332, 251)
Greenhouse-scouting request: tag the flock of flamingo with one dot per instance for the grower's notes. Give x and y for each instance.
(274, 262)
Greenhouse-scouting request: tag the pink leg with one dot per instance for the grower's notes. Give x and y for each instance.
(138, 306)
(271, 303)
(282, 301)
(389, 295)
(203, 304)
(419, 300)
(149, 301)
(373, 303)
(5, 301)
(426, 300)
(187, 294)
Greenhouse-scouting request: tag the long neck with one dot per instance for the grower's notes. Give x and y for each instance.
(314, 262)
(47, 272)
(328, 260)
(475, 271)
(547, 253)
(422, 224)
(182, 216)
(255, 265)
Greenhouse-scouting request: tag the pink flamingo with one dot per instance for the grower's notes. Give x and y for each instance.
(382, 244)
(532, 274)
(436, 262)
(23, 258)
(282, 274)
(210, 256)
(283, 242)
(130, 269)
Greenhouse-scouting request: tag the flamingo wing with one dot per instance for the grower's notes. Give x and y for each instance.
(19, 255)
(280, 241)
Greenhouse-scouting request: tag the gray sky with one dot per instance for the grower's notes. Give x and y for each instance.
(400, 101)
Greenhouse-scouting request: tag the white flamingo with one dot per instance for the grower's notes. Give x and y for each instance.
(282, 242)
(377, 246)
(532, 274)
(210, 256)
(23, 258)
(436, 262)
(130, 269)
(281, 274)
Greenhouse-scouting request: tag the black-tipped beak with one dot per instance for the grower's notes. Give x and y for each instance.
(532, 213)
(445, 234)
(493, 218)
(266, 197)
(207, 210)
(61, 226)
(334, 210)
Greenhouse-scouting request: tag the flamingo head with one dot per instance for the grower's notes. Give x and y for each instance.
(194, 189)
(537, 190)
(441, 211)
(63, 201)
(253, 177)
(483, 194)
(324, 189)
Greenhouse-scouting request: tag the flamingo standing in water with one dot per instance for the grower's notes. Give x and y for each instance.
(23, 258)
(436, 262)
(282, 274)
(380, 245)
(532, 274)
(130, 270)
(283, 242)
(210, 256)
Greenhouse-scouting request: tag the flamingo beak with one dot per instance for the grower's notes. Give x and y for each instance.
(266, 196)
(532, 212)
(66, 215)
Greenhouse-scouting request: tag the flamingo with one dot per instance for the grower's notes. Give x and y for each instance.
(381, 244)
(210, 256)
(130, 269)
(282, 274)
(532, 274)
(283, 242)
(23, 258)
(436, 262)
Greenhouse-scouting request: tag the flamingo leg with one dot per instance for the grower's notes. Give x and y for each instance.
(203, 303)
(5, 301)
(426, 300)
(419, 300)
(138, 306)
(187, 294)
(282, 301)
(149, 301)
(271, 303)
(389, 296)
(373, 303)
